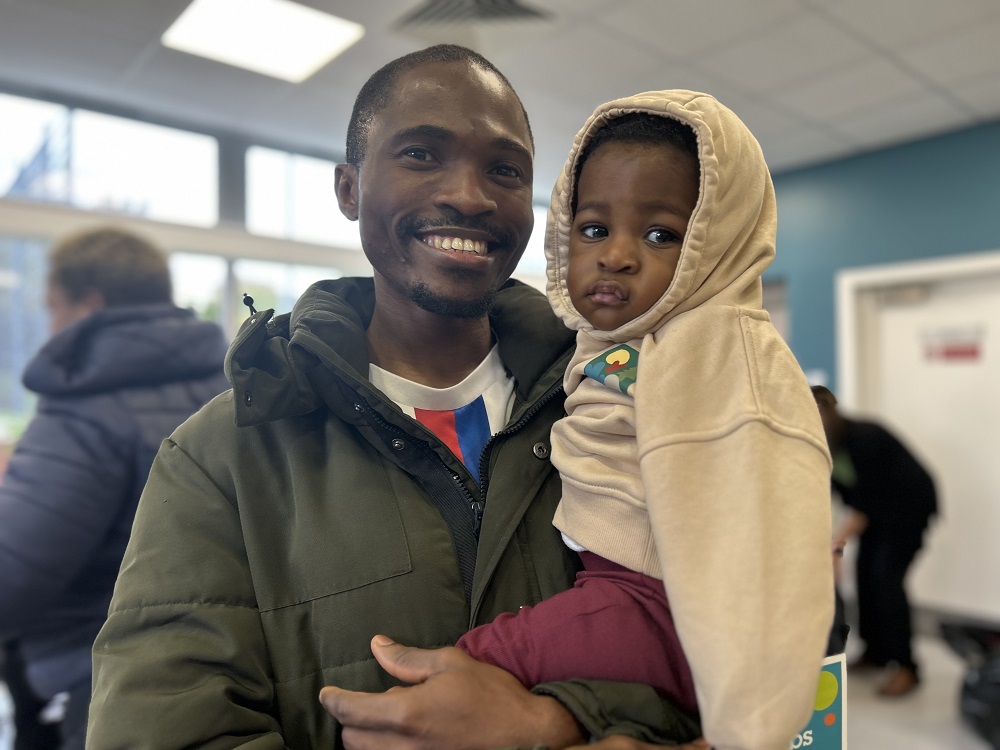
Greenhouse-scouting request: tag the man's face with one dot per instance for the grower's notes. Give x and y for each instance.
(444, 193)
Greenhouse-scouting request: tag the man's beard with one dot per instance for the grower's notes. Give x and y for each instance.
(449, 307)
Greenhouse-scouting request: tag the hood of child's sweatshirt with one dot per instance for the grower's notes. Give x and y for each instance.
(731, 232)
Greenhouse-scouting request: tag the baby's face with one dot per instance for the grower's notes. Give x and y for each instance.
(633, 206)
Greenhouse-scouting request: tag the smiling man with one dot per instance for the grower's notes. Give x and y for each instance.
(387, 475)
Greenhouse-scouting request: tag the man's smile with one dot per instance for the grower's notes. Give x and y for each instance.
(456, 244)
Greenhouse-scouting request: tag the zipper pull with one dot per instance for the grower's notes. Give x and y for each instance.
(478, 506)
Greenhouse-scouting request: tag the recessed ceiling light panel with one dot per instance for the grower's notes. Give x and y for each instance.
(277, 38)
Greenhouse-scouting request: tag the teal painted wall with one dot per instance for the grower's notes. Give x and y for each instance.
(926, 199)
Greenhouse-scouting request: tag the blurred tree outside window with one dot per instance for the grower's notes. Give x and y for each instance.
(99, 162)
(34, 150)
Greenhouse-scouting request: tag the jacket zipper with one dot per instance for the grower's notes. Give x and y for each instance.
(477, 507)
(484, 457)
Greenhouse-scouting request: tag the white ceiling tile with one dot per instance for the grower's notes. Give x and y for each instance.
(980, 93)
(900, 120)
(579, 9)
(861, 83)
(180, 76)
(785, 54)
(800, 146)
(685, 29)
(38, 47)
(112, 15)
(952, 57)
(761, 116)
(579, 64)
(897, 22)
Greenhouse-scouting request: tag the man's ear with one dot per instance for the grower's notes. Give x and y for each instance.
(92, 301)
(346, 176)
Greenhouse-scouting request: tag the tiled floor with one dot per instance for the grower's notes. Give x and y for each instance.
(927, 719)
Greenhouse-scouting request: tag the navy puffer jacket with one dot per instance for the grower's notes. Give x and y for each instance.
(110, 388)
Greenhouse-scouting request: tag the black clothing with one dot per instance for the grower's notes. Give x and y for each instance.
(883, 480)
(875, 474)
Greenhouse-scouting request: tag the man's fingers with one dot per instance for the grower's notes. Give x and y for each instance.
(360, 710)
(410, 664)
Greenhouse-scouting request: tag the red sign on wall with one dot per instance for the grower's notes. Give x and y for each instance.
(962, 344)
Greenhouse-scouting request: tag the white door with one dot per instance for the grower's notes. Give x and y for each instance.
(926, 361)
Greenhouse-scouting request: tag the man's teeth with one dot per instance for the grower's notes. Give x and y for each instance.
(476, 247)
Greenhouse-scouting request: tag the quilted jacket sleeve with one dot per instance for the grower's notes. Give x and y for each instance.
(64, 485)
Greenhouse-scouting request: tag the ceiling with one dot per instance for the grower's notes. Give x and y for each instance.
(815, 80)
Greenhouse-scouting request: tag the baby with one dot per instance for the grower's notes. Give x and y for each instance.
(696, 475)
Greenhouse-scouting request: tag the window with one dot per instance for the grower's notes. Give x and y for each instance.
(145, 170)
(532, 263)
(34, 150)
(24, 326)
(94, 161)
(294, 197)
(199, 282)
(272, 285)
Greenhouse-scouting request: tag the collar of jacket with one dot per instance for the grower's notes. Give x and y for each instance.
(277, 363)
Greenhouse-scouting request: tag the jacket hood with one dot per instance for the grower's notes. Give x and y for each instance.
(122, 347)
(731, 233)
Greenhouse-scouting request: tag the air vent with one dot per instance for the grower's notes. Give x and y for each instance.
(469, 11)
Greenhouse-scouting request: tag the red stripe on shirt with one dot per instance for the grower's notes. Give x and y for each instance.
(442, 424)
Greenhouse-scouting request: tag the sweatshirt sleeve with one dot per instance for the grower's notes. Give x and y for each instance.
(737, 479)
(744, 543)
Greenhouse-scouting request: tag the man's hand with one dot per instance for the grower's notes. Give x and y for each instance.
(454, 702)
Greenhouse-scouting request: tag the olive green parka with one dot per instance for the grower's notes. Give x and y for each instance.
(265, 556)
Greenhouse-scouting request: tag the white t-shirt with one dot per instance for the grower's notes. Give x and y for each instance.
(465, 415)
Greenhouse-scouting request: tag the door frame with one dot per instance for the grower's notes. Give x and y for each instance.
(856, 298)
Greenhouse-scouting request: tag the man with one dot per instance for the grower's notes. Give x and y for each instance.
(890, 499)
(353, 499)
(123, 368)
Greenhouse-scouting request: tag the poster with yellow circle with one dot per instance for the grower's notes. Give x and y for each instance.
(827, 729)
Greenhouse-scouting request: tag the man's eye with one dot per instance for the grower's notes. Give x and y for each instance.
(420, 154)
(662, 236)
(594, 232)
(507, 170)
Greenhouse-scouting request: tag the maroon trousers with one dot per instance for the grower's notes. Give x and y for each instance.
(614, 624)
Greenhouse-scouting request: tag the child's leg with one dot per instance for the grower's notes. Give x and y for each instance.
(614, 624)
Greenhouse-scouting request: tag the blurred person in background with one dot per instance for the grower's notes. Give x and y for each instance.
(124, 366)
(890, 499)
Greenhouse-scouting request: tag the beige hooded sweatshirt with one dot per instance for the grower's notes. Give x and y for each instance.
(715, 476)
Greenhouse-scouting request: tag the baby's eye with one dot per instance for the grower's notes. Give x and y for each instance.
(594, 232)
(662, 236)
